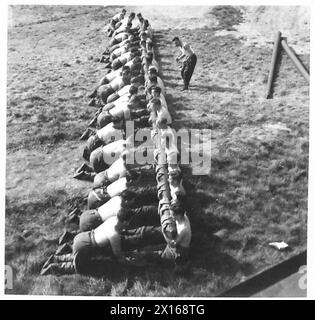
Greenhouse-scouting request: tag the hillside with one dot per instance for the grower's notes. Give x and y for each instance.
(256, 191)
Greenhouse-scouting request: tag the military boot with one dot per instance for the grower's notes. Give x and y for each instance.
(58, 268)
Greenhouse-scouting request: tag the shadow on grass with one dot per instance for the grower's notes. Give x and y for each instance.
(214, 88)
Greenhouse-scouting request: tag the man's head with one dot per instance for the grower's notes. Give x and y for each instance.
(175, 177)
(149, 44)
(143, 43)
(156, 91)
(177, 208)
(116, 64)
(125, 68)
(141, 92)
(170, 231)
(152, 71)
(134, 52)
(133, 90)
(149, 57)
(122, 14)
(135, 69)
(177, 42)
(161, 122)
(143, 35)
(153, 81)
(136, 60)
(135, 82)
(126, 75)
(134, 102)
(132, 16)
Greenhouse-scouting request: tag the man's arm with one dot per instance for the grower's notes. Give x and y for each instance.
(180, 57)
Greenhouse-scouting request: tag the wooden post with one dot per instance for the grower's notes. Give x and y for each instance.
(273, 64)
(295, 60)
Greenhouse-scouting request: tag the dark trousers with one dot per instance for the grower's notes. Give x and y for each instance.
(188, 69)
(141, 237)
(144, 216)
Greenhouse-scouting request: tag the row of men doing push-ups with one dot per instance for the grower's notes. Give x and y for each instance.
(122, 216)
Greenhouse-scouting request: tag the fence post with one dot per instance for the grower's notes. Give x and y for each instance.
(273, 64)
(295, 60)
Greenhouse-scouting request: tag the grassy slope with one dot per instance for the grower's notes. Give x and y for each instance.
(256, 191)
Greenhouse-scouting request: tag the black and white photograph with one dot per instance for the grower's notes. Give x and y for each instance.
(156, 151)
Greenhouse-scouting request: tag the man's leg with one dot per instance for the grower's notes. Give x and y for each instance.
(183, 71)
(189, 69)
(143, 216)
(141, 237)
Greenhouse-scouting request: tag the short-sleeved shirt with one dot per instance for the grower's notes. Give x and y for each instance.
(184, 231)
(116, 170)
(124, 90)
(122, 28)
(155, 64)
(121, 36)
(125, 57)
(109, 131)
(112, 151)
(117, 187)
(124, 21)
(119, 51)
(120, 111)
(187, 50)
(164, 114)
(120, 101)
(105, 232)
(110, 208)
(113, 74)
(116, 18)
(163, 101)
(117, 83)
(161, 85)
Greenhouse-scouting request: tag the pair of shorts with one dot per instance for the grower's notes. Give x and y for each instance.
(85, 249)
(96, 198)
(90, 220)
(101, 180)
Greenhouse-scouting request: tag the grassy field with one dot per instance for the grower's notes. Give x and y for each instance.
(255, 193)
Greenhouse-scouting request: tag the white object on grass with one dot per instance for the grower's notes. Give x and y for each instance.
(279, 245)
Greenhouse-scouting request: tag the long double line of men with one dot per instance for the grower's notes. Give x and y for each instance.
(123, 222)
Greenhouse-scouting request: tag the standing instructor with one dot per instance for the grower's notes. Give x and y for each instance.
(189, 63)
